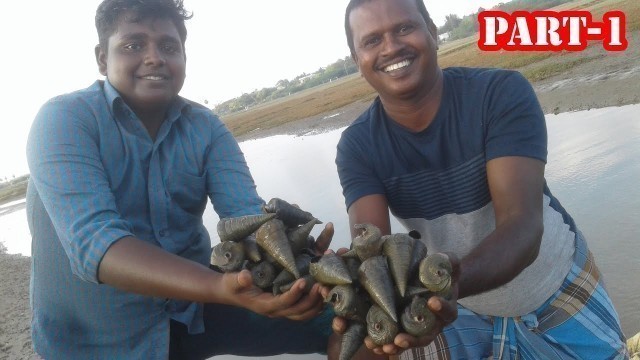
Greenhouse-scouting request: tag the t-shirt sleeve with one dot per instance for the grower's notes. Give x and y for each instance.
(355, 168)
(515, 122)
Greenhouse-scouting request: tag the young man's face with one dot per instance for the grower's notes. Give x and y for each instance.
(145, 62)
(394, 48)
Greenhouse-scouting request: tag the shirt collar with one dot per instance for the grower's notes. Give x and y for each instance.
(180, 106)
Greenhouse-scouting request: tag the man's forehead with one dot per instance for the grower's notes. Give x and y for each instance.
(368, 13)
(129, 26)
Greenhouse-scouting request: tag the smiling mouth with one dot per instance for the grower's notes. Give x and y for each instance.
(154, 77)
(397, 66)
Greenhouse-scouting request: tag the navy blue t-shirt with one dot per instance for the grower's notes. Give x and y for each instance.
(484, 114)
(435, 181)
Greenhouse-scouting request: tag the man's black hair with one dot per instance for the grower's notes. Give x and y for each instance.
(110, 12)
(355, 3)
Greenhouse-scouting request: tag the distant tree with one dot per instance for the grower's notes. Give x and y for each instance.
(285, 87)
(451, 22)
(467, 27)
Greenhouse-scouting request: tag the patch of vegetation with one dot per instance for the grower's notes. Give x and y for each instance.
(341, 68)
(548, 70)
(304, 104)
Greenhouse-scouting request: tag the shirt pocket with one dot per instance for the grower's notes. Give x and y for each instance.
(188, 192)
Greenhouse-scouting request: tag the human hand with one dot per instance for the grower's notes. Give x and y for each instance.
(322, 243)
(294, 304)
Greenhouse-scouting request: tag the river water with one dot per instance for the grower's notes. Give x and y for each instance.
(593, 169)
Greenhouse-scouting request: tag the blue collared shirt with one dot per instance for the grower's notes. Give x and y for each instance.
(97, 176)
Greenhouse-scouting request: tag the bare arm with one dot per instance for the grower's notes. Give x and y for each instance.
(516, 185)
(133, 265)
(370, 209)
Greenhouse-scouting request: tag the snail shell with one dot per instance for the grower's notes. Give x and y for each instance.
(263, 274)
(290, 215)
(352, 339)
(329, 269)
(369, 241)
(299, 236)
(348, 302)
(375, 278)
(251, 249)
(271, 237)
(228, 256)
(382, 329)
(417, 319)
(237, 228)
(398, 248)
(435, 273)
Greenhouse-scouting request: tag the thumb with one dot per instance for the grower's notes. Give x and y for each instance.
(324, 239)
(244, 279)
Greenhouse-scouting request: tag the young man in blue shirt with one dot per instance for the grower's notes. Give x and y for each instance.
(120, 176)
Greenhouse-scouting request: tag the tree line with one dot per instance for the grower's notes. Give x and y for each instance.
(453, 28)
(459, 28)
(285, 87)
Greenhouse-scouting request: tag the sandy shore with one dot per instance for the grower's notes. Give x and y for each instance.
(611, 80)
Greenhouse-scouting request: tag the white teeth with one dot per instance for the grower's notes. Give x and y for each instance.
(397, 66)
(154, 77)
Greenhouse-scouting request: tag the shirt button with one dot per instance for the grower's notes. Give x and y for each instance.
(162, 233)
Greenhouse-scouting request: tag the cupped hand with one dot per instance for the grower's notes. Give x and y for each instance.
(294, 304)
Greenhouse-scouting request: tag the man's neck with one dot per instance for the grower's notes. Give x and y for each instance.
(152, 121)
(416, 113)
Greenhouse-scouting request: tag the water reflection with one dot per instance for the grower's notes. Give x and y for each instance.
(593, 168)
(300, 170)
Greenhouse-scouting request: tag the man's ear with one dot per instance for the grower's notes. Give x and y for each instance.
(433, 31)
(101, 59)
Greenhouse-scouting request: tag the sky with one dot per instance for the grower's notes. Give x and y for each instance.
(233, 47)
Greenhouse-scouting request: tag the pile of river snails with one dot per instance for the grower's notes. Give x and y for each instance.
(381, 286)
(274, 246)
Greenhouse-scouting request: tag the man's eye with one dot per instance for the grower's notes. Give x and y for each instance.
(404, 29)
(371, 42)
(133, 46)
(171, 48)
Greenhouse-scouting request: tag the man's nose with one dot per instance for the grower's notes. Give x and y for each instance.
(154, 56)
(391, 44)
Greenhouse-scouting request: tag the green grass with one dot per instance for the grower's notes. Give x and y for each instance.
(548, 70)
